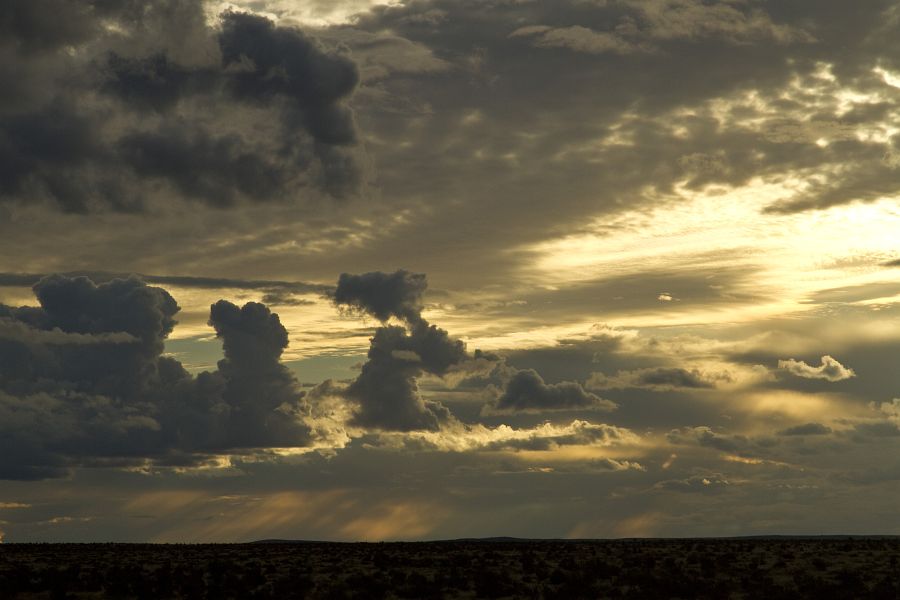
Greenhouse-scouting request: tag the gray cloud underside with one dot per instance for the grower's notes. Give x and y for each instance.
(526, 391)
(386, 390)
(134, 101)
(84, 382)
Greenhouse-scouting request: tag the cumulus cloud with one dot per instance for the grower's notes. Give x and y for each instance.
(386, 390)
(383, 295)
(109, 104)
(78, 306)
(526, 392)
(829, 370)
(260, 392)
(83, 381)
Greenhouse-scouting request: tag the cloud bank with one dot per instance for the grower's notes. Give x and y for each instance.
(83, 381)
(112, 104)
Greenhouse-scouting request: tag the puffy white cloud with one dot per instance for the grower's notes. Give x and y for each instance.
(829, 370)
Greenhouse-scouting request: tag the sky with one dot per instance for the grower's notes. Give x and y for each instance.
(428, 269)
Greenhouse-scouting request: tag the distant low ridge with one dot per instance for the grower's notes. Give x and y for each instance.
(507, 539)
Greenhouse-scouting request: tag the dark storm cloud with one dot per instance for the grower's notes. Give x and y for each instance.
(77, 306)
(526, 391)
(386, 390)
(83, 381)
(51, 151)
(383, 295)
(261, 392)
(37, 25)
(269, 61)
(154, 82)
(122, 99)
(216, 169)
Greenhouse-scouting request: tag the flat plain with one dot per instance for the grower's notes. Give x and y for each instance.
(769, 568)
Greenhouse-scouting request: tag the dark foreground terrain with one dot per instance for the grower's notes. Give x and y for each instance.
(742, 568)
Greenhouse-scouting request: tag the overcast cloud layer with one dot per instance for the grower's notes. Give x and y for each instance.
(448, 268)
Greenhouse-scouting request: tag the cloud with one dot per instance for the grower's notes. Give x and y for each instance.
(268, 61)
(381, 55)
(83, 381)
(461, 437)
(806, 429)
(78, 306)
(386, 390)
(648, 25)
(109, 106)
(877, 429)
(830, 370)
(17, 331)
(526, 391)
(658, 378)
(731, 22)
(383, 295)
(576, 38)
(280, 289)
(705, 437)
(260, 392)
(47, 24)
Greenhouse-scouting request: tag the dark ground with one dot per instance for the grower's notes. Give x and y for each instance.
(716, 568)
